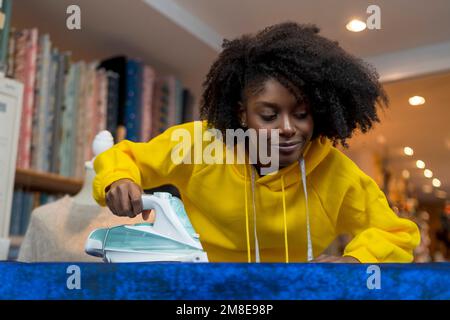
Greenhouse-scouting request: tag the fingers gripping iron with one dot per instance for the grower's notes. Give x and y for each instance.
(170, 238)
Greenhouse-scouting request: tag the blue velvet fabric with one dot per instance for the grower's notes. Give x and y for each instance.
(223, 281)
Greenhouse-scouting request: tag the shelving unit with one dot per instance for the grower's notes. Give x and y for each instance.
(48, 182)
(131, 28)
(105, 32)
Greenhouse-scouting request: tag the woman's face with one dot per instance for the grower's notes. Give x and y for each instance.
(275, 107)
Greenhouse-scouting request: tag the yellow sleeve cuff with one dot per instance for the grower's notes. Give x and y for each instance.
(363, 255)
(100, 184)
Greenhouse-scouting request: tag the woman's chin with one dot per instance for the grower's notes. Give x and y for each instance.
(289, 158)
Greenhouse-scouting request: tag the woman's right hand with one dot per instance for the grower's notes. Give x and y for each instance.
(123, 198)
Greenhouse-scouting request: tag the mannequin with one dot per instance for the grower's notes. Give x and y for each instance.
(58, 230)
(102, 142)
(84, 196)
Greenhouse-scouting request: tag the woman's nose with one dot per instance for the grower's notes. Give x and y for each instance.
(287, 129)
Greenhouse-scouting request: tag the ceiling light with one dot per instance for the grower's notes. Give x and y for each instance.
(408, 151)
(420, 164)
(416, 100)
(436, 183)
(428, 173)
(356, 25)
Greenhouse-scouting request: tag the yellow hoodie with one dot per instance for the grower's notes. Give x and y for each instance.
(223, 202)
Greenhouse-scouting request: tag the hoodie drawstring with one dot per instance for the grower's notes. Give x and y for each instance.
(249, 256)
(286, 248)
(310, 254)
(257, 257)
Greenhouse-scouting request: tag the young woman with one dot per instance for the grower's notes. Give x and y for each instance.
(286, 77)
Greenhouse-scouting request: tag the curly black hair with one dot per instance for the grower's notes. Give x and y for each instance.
(342, 90)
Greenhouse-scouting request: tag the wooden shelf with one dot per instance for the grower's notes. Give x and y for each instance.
(48, 182)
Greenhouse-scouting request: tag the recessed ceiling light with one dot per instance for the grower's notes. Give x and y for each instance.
(428, 173)
(427, 188)
(420, 164)
(416, 100)
(408, 151)
(436, 183)
(405, 174)
(356, 25)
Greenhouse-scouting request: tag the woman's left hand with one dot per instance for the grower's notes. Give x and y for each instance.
(334, 259)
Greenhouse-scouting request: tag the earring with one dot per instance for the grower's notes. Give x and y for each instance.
(243, 124)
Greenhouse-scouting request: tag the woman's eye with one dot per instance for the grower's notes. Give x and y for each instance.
(269, 117)
(302, 115)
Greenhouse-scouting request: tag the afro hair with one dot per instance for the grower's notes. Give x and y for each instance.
(343, 91)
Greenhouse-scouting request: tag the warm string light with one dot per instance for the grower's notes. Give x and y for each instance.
(420, 164)
(436, 183)
(408, 151)
(428, 173)
(406, 174)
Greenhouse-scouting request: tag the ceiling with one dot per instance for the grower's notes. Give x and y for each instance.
(404, 23)
(137, 28)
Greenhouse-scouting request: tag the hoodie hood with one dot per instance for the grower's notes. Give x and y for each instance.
(315, 152)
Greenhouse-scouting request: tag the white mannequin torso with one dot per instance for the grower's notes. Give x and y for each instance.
(84, 197)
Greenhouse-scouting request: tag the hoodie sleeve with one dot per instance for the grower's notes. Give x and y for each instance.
(148, 164)
(379, 235)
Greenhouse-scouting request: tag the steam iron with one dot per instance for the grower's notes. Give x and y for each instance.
(170, 238)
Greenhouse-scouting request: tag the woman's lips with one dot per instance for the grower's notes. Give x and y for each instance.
(288, 147)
